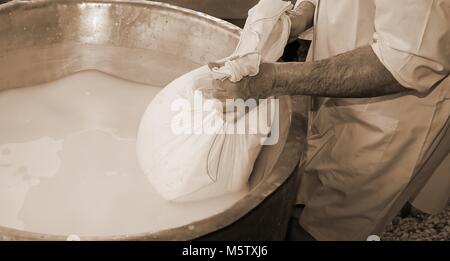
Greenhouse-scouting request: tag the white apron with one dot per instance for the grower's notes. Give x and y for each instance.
(364, 152)
(434, 196)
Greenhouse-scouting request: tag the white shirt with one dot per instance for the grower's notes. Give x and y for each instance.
(410, 37)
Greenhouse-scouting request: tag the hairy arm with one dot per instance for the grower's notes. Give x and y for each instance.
(355, 74)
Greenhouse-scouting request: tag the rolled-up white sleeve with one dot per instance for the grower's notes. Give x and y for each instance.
(314, 2)
(412, 39)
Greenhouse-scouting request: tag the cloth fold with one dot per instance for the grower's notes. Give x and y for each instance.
(187, 164)
(253, 48)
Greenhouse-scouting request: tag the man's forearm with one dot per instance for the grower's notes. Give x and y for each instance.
(356, 74)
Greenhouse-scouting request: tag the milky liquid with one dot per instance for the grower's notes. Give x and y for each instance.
(68, 161)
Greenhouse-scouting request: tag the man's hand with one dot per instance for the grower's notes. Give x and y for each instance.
(225, 89)
(302, 18)
(256, 87)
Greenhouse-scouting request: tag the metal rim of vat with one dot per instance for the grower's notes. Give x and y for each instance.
(284, 167)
